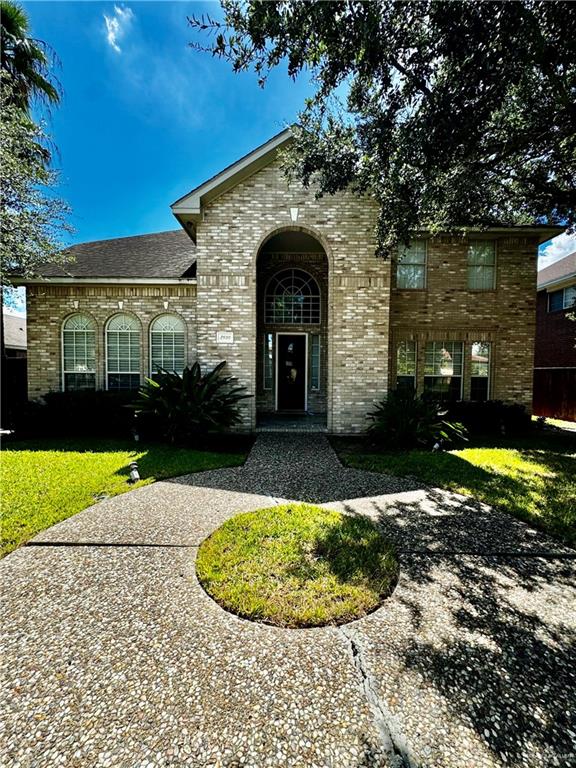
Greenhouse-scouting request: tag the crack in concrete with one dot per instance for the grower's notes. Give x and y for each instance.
(393, 742)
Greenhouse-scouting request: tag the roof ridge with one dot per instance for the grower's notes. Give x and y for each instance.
(128, 237)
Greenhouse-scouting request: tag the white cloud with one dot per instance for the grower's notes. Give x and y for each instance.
(117, 26)
(556, 249)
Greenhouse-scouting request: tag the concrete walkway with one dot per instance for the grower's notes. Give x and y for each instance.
(114, 655)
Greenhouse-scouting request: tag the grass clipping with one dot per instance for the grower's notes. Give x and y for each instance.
(297, 566)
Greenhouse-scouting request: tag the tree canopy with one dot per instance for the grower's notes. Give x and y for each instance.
(33, 218)
(25, 59)
(451, 114)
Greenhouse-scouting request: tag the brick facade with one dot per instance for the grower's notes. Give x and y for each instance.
(363, 316)
(447, 310)
(48, 306)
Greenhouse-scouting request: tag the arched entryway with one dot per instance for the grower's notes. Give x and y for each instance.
(292, 332)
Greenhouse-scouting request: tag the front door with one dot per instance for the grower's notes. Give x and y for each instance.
(291, 371)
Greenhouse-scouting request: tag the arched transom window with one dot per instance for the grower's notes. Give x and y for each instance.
(79, 352)
(167, 344)
(293, 298)
(123, 352)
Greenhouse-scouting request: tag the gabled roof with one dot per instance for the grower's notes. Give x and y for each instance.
(188, 208)
(160, 255)
(14, 330)
(562, 271)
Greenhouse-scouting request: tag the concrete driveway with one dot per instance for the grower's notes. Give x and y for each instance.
(113, 655)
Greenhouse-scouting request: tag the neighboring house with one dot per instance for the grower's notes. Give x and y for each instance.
(13, 374)
(288, 290)
(555, 354)
(14, 324)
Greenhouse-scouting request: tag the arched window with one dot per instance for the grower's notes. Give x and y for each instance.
(292, 298)
(79, 353)
(123, 353)
(167, 344)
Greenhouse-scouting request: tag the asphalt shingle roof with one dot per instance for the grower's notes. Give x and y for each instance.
(162, 254)
(558, 270)
(14, 330)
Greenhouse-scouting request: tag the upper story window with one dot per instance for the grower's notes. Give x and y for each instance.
(482, 265)
(167, 344)
(565, 298)
(123, 352)
(292, 298)
(79, 353)
(443, 369)
(406, 365)
(411, 266)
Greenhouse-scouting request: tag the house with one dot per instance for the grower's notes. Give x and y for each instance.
(13, 373)
(555, 353)
(14, 326)
(288, 290)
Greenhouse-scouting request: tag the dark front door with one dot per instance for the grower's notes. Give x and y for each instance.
(291, 352)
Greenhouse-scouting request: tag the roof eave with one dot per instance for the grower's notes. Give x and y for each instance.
(69, 279)
(188, 209)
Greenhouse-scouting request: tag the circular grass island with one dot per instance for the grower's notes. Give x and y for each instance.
(297, 566)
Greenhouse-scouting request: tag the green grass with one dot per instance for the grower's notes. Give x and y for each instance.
(533, 479)
(297, 566)
(46, 481)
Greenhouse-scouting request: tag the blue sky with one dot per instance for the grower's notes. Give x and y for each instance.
(144, 118)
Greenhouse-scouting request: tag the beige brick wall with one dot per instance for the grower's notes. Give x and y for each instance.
(228, 240)
(448, 311)
(362, 311)
(49, 305)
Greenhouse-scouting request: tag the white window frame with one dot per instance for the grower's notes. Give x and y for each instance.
(410, 264)
(265, 360)
(266, 294)
(289, 333)
(151, 331)
(63, 359)
(319, 337)
(489, 375)
(120, 373)
(492, 266)
(415, 374)
(565, 304)
(462, 366)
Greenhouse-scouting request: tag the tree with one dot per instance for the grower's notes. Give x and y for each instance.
(33, 218)
(25, 59)
(455, 114)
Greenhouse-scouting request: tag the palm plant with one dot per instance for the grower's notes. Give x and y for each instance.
(25, 59)
(187, 407)
(403, 421)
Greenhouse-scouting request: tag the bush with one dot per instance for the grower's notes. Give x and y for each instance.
(87, 413)
(403, 421)
(186, 408)
(491, 417)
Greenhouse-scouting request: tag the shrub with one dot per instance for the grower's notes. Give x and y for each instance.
(188, 407)
(403, 421)
(491, 417)
(86, 413)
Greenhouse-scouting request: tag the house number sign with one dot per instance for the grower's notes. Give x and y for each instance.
(224, 337)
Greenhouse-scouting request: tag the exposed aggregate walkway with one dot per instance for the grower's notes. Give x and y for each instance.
(114, 655)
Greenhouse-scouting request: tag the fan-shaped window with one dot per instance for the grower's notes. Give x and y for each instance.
(123, 352)
(167, 345)
(292, 298)
(79, 353)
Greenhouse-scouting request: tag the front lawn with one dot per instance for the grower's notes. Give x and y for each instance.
(297, 566)
(46, 481)
(532, 478)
